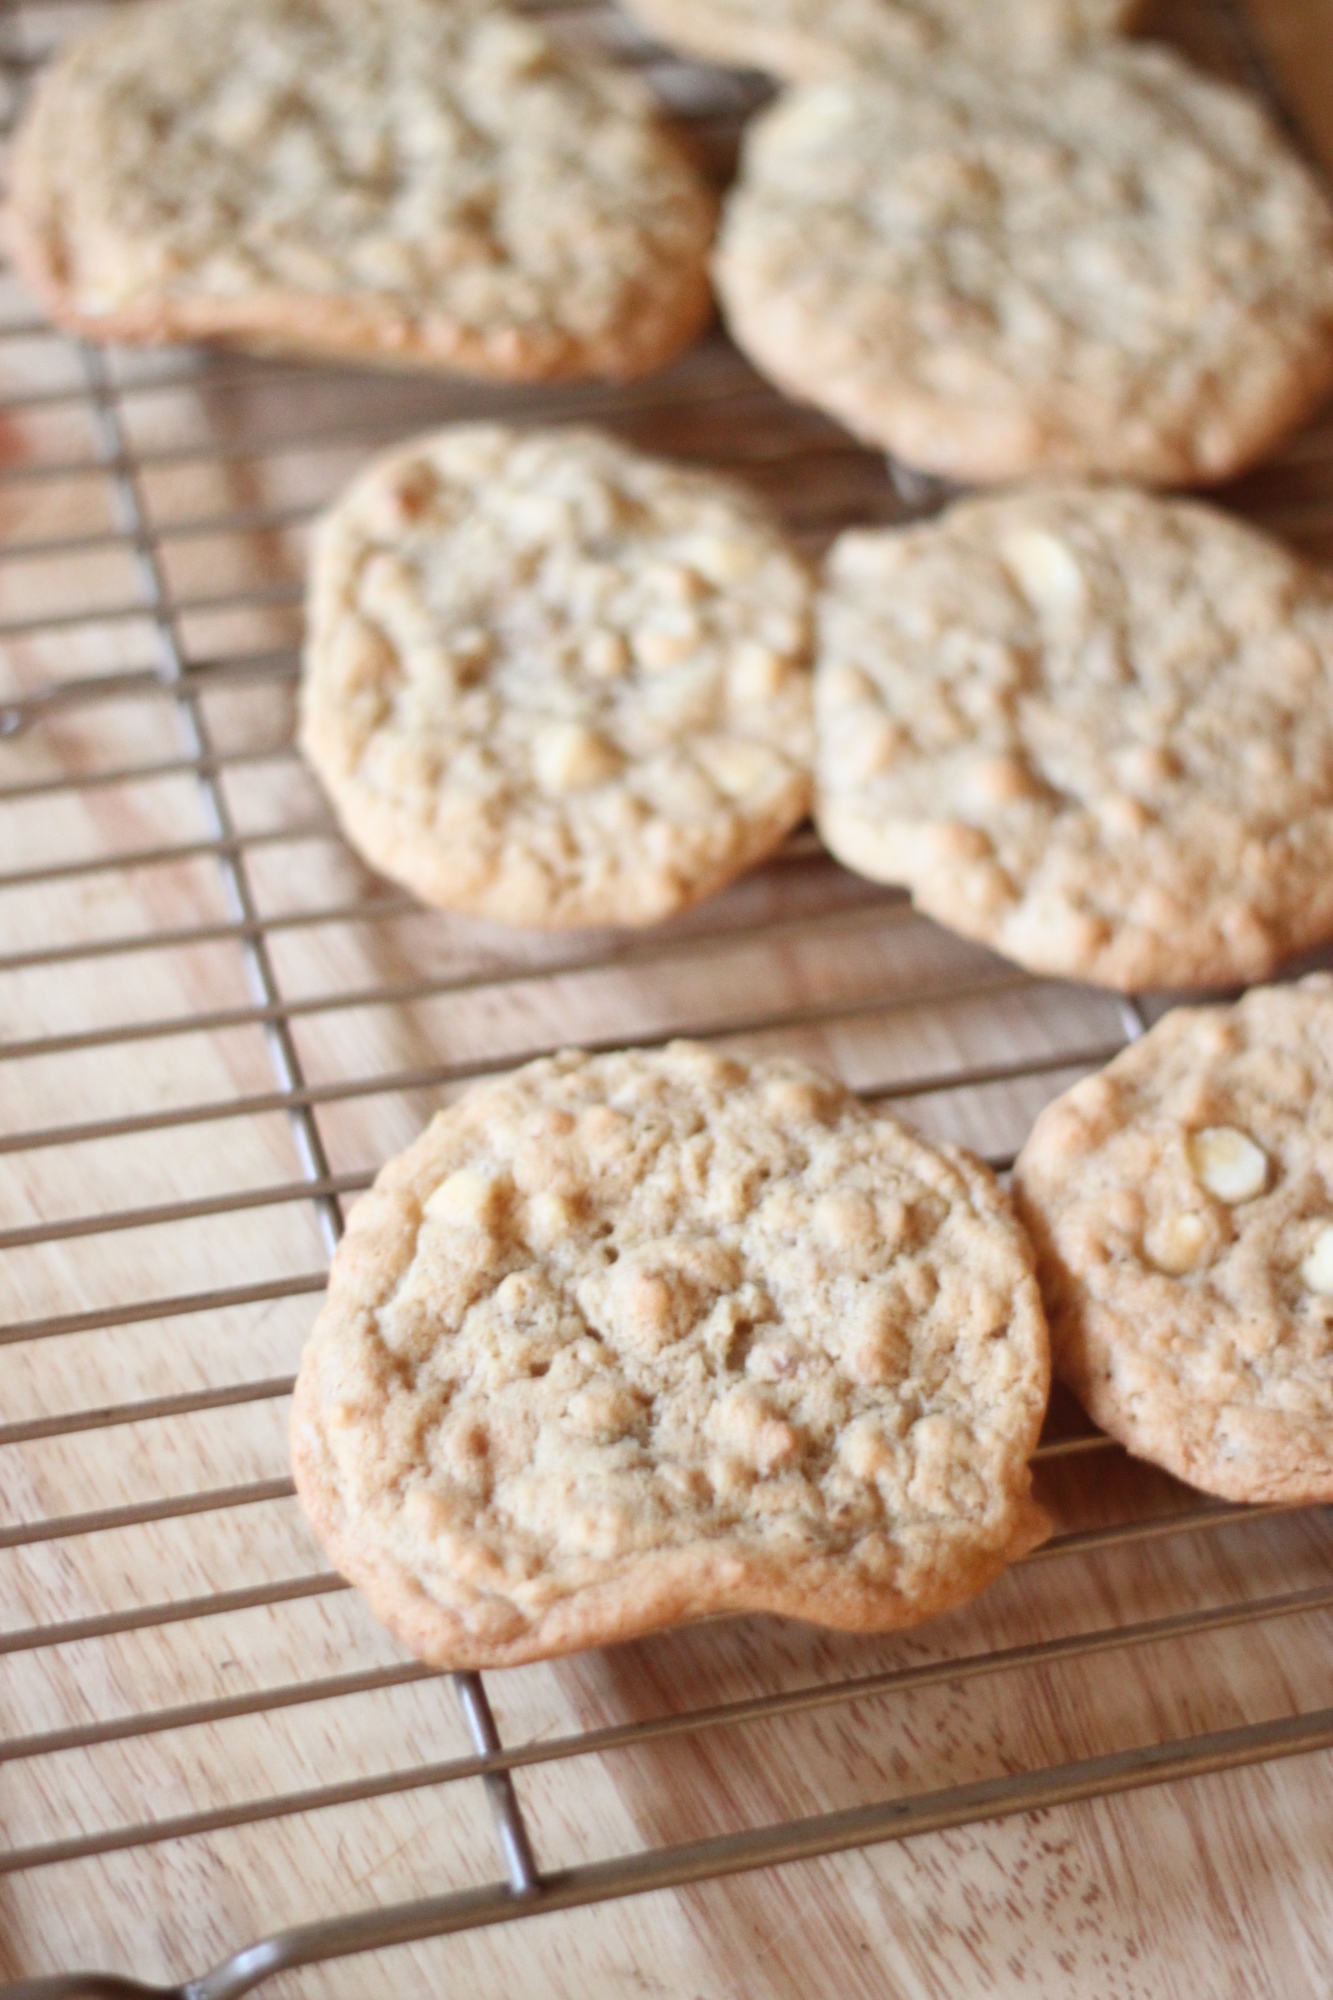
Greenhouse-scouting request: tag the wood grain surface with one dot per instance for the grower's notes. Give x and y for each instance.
(153, 514)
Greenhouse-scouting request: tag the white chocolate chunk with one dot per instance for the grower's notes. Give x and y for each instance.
(467, 1200)
(994, 780)
(757, 671)
(1046, 569)
(1176, 1245)
(658, 646)
(1317, 1264)
(676, 583)
(1228, 1163)
(605, 655)
(723, 558)
(568, 758)
(875, 745)
(737, 767)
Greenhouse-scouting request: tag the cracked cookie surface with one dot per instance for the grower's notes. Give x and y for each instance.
(1088, 727)
(554, 682)
(807, 40)
(422, 181)
(1117, 268)
(633, 1339)
(1181, 1204)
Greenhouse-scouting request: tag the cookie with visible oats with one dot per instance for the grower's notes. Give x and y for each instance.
(627, 1340)
(430, 182)
(1181, 1204)
(807, 40)
(1088, 727)
(1116, 268)
(552, 681)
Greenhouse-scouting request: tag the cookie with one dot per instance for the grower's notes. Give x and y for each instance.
(552, 681)
(809, 40)
(428, 182)
(1116, 268)
(1088, 727)
(1182, 1208)
(627, 1340)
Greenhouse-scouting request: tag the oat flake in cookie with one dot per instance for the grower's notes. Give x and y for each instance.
(811, 39)
(1088, 727)
(421, 181)
(1181, 1203)
(551, 681)
(633, 1339)
(1116, 268)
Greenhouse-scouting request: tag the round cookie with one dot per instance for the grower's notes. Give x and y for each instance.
(1181, 1204)
(554, 682)
(809, 40)
(1088, 727)
(1115, 268)
(634, 1339)
(429, 182)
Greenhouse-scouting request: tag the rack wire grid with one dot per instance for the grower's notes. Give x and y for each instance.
(216, 1024)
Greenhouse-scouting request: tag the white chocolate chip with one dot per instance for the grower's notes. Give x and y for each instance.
(865, 1450)
(843, 685)
(1144, 768)
(1118, 813)
(1228, 1163)
(568, 758)
(1317, 1264)
(783, 631)
(605, 655)
(750, 1429)
(738, 768)
(467, 1200)
(511, 45)
(361, 656)
(473, 642)
(383, 261)
(875, 745)
(537, 517)
(386, 583)
(550, 1218)
(1177, 1244)
(657, 646)
(675, 582)
(722, 559)
(994, 780)
(846, 1221)
(469, 453)
(757, 672)
(1046, 569)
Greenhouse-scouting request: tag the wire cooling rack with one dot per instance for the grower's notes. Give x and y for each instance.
(215, 1025)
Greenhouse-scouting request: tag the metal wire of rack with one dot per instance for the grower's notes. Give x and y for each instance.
(216, 1023)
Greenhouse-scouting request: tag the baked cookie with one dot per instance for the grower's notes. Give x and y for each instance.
(1113, 268)
(1089, 727)
(552, 681)
(633, 1339)
(809, 40)
(420, 181)
(1182, 1208)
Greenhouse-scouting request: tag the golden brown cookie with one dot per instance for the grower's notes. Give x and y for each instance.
(1116, 268)
(1089, 727)
(1181, 1204)
(428, 181)
(552, 681)
(633, 1339)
